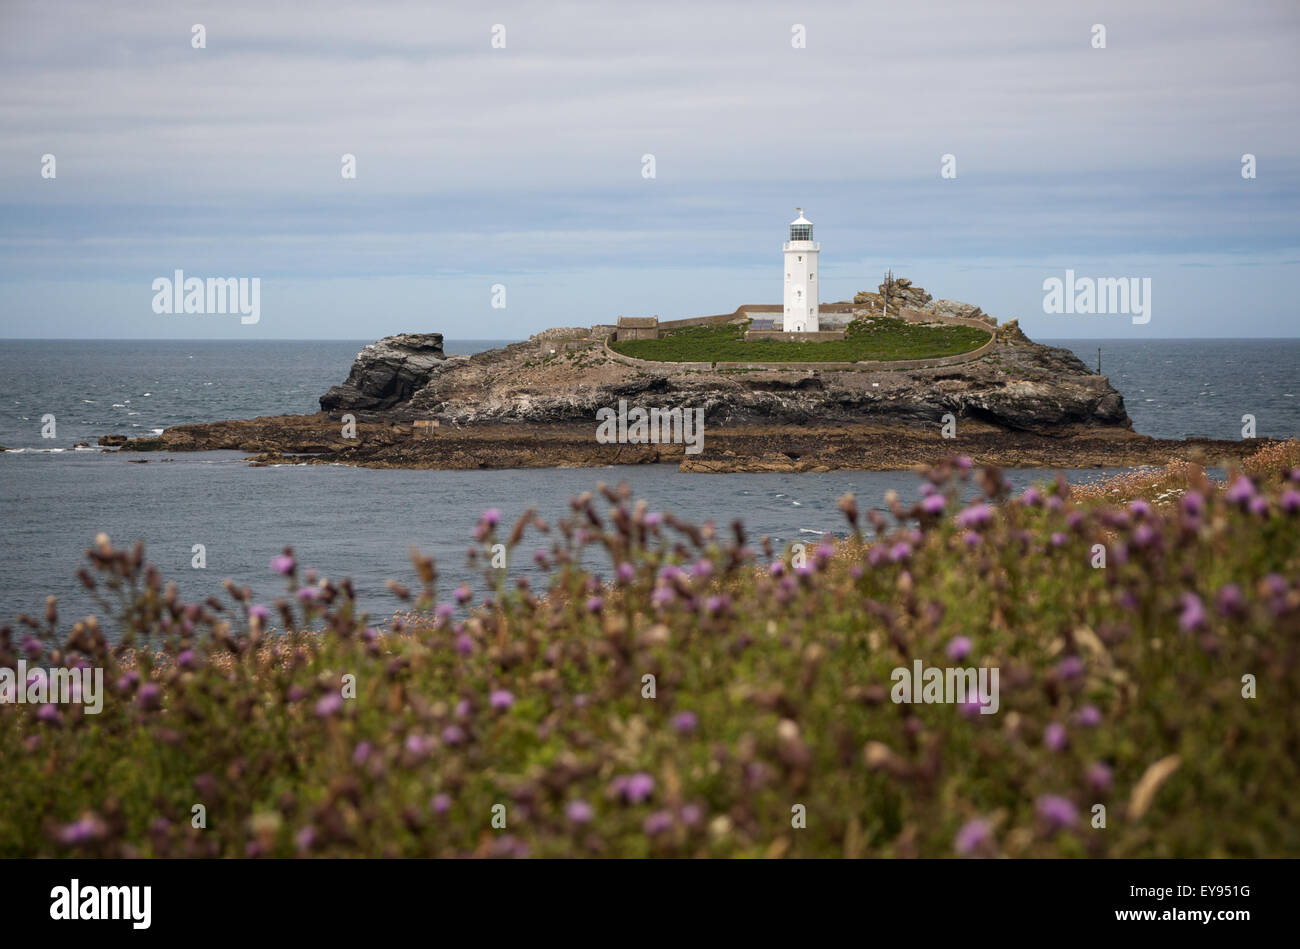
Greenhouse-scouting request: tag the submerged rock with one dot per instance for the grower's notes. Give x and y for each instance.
(387, 373)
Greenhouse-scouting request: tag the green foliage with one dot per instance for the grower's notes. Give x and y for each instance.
(1119, 686)
(872, 339)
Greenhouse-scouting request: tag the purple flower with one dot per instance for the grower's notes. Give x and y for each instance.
(959, 648)
(491, 516)
(1031, 497)
(1058, 539)
(451, 735)
(578, 812)
(633, 788)
(685, 722)
(150, 696)
(283, 563)
(971, 538)
(1144, 536)
(1259, 505)
(691, 814)
(977, 515)
(1240, 491)
(934, 504)
(83, 830)
(1140, 508)
(1229, 600)
(501, 699)
(626, 572)
(900, 551)
(1055, 737)
(329, 705)
(305, 838)
(1057, 811)
(185, 658)
(1193, 503)
(307, 594)
(1074, 520)
(975, 835)
(48, 714)
(361, 753)
(717, 605)
(657, 823)
(260, 612)
(595, 604)
(463, 593)
(464, 644)
(1088, 716)
(1070, 667)
(1291, 500)
(1099, 776)
(440, 804)
(1193, 615)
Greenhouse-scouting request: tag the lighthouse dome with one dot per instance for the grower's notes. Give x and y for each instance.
(801, 228)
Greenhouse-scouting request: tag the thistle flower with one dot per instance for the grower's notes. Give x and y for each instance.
(501, 699)
(633, 788)
(1240, 491)
(329, 705)
(685, 722)
(259, 612)
(491, 517)
(361, 753)
(150, 696)
(579, 812)
(1229, 600)
(283, 563)
(974, 836)
(1099, 776)
(1193, 615)
(959, 648)
(440, 804)
(1089, 716)
(977, 515)
(657, 823)
(1055, 737)
(1070, 667)
(626, 572)
(1059, 812)
(595, 604)
(1291, 500)
(934, 504)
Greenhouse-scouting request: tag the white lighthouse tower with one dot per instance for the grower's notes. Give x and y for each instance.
(800, 278)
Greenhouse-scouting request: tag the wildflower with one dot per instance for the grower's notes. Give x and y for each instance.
(1057, 811)
(329, 705)
(977, 515)
(971, 538)
(1291, 500)
(685, 722)
(463, 593)
(283, 563)
(1074, 520)
(657, 823)
(653, 519)
(85, 829)
(259, 612)
(307, 594)
(48, 714)
(701, 569)
(1099, 776)
(691, 814)
(440, 804)
(1031, 497)
(305, 838)
(150, 696)
(626, 572)
(1058, 539)
(934, 504)
(491, 516)
(1193, 503)
(1055, 737)
(1240, 491)
(975, 835)
(717, 605)
(1140, 508)
(959, 648)
(633, 788)
(1193, 615)
(451, 735)
(361, 752)
(900, 551)
(1088, 716)
(1070, 667)
(501, 699)
(1229, 600)
(185, 658)
(578, 812)
(464, 644)
(1259, 505)
(1144, 536)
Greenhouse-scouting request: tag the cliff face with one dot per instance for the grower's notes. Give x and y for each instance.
(1020, 385)
(387, 373)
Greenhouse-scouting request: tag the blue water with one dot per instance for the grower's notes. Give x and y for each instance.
(361, 523)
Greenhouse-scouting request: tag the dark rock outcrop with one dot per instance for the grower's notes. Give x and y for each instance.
(387, 373)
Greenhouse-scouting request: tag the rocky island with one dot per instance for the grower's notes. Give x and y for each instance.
(1009, 401)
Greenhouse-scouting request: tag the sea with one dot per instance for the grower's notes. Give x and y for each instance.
(362, 523)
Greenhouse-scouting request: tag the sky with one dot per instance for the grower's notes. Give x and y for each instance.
(503, 145)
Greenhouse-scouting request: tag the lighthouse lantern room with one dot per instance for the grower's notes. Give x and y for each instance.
(800, 298)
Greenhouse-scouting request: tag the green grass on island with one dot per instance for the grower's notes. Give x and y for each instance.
(881, 338)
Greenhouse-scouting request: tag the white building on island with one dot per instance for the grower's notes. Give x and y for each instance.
(800, 300)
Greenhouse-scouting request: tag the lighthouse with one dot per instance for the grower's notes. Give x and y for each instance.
(800, 297)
